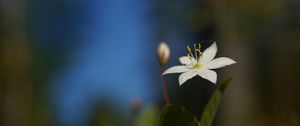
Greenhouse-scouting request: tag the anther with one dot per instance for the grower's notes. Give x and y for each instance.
(200, 53)
(190, 52)
(189, 49)
(199, 46)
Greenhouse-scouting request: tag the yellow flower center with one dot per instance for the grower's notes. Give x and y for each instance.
(198, 65)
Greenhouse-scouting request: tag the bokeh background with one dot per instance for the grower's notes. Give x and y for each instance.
(93, 62)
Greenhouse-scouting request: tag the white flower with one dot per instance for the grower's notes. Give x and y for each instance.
(200, 64)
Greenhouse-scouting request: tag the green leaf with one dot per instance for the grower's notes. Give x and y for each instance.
(172, 115)
(212, 105)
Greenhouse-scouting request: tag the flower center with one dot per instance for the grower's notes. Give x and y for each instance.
(198, 65)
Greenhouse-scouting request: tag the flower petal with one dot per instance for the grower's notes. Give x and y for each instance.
(219, 62)
(186, 60)
(209, 53)
(186, 76)
(176, 69)
(208, 74)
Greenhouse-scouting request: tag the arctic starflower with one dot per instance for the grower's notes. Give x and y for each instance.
(200, 64)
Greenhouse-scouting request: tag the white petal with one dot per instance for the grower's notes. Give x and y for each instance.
(208, 74)
(176, 69)
(186, 60)
(186, 76)
(209, 53)
(219, 62)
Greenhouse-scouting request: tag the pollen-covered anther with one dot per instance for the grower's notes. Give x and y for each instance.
(190, 53)
(199, 49)
(189, 49)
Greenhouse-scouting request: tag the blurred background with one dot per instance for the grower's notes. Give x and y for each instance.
(94, 62)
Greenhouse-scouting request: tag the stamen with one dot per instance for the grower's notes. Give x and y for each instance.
(200, 53)
(190, 51)
(195, 49)
(190, 58)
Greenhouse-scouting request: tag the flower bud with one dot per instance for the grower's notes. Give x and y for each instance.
(135, 105)
(163, 53)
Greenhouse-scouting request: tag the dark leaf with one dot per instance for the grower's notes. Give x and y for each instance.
(172, 115)
(212, 105)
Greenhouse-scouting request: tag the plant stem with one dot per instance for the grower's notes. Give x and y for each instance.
(164, 87)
